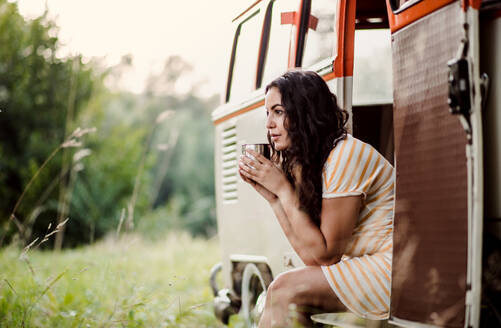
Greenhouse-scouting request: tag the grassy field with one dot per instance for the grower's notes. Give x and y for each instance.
(115, 283)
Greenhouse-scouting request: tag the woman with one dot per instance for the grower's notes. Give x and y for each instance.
(333, 197)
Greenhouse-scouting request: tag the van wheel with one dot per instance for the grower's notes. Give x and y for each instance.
(253, 295)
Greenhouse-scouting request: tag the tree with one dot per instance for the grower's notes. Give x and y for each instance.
(132, 161)
(37, 92)
(183, 176)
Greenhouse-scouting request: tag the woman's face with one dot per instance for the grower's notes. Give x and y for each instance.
(275, 113)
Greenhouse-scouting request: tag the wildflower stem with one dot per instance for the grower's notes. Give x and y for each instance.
(12, 214)
(33, 179)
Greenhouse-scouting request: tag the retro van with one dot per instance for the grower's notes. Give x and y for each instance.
(421, 80)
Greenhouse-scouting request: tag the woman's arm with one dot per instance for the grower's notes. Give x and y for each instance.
(287, 228)
(277, 208)
(325, 243)
(320, 245)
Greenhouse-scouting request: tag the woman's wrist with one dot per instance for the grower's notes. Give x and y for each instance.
(285, 191)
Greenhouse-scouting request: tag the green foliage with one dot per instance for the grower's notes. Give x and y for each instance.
(35, 89)
(105, 185)
(113, 283)
(189, 183)
(150, 159)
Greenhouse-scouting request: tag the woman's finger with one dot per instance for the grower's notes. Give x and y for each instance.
(249, 181)
(249, 162)
(245, 165)
(247, 171)
(248, 177)
(259, 158)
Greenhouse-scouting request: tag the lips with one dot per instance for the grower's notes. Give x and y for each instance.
(274, 137)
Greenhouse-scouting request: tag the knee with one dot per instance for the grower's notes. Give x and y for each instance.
(277, 290)
(280, 284)
(286, 289)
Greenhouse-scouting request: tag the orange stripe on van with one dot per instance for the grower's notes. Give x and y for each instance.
(413, 13)
(239, 112)
(475, 4)
(326, 78)
(345, 22)
(329, 76)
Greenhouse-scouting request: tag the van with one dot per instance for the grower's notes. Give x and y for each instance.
(421, 80)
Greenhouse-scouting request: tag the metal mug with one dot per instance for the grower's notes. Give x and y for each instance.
(263, 149)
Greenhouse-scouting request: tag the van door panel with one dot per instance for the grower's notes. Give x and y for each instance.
(431, 207)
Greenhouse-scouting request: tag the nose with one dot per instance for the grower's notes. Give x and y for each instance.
(270, 123)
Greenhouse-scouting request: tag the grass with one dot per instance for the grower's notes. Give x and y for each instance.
(114, 283)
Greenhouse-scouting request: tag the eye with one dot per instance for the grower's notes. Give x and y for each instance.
(279, 111)
(267, 113)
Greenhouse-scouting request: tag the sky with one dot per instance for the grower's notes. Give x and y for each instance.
(150, 30)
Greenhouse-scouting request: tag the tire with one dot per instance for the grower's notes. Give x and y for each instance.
(253, 295)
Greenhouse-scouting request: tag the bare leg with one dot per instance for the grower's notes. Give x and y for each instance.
(305, 287)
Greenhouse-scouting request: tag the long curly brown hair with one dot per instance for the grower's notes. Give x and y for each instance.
(315, 124)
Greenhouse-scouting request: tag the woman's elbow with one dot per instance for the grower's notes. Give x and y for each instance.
(310, 262)
(329, 259)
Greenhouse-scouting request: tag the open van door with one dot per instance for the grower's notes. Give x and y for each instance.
(436, 276)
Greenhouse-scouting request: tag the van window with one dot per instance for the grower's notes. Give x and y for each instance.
(280, 36)
(244, 68)
(372, 71)
(321, 42)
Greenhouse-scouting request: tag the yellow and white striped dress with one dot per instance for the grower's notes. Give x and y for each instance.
(362, 279)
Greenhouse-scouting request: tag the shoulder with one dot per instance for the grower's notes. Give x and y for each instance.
(346, 148)
(353, 166)
(343, 168)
